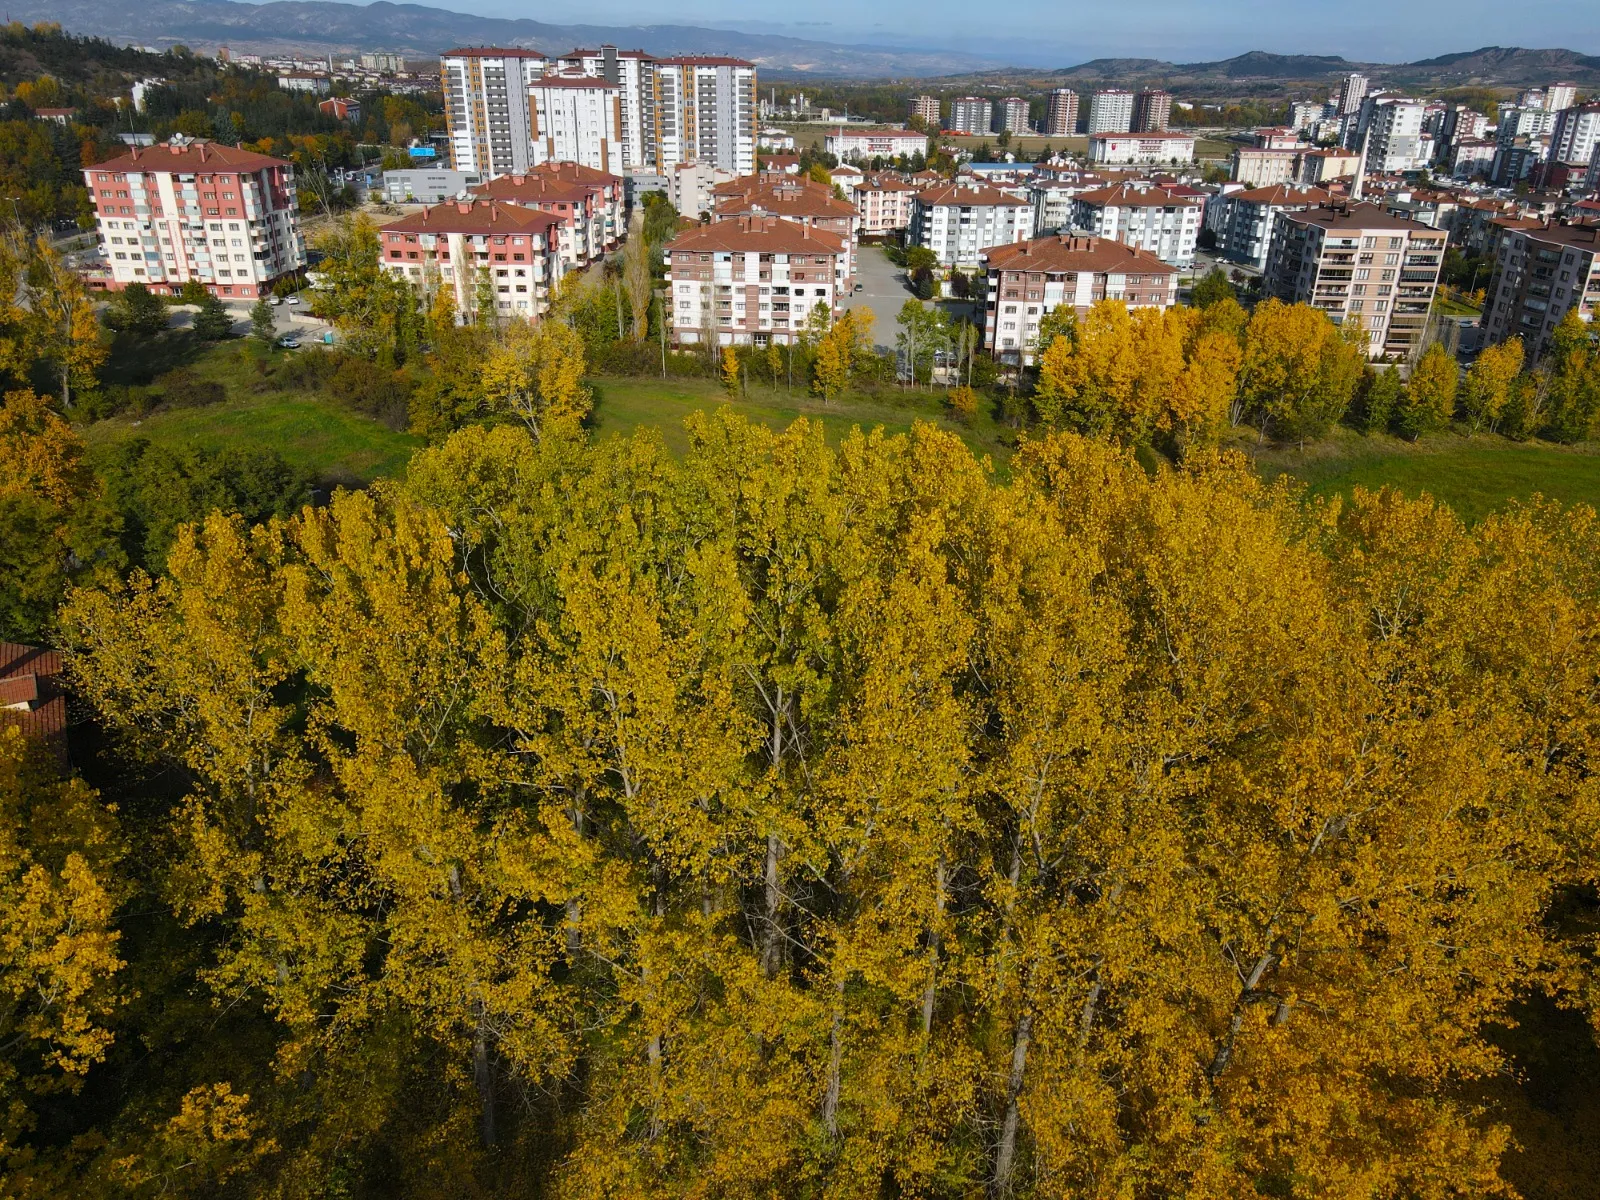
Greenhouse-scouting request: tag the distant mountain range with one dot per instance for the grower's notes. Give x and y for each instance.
(325, 26)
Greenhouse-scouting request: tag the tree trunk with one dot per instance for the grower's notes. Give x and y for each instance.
(830, 1095)
(1224, 1054)
(483, 1077)
(933, 949)
(1006, 1153)
(772, 942)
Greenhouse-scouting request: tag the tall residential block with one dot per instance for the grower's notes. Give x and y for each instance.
(1539, 275)
(970, 114)
(576, 119)
(1061, 118)
(925, 109)
(486, 107)
(1152, 111)
(1560, 95)
(1111, 111)
(705, 112)
(1361, 266)
(191, 210)
(1392, 127)
(1575, 135)
(1010, 116)
(1352, 91)
(632, 73)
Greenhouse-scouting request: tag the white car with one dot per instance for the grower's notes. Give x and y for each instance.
(289, 343)
(274, 301)
(292, 300)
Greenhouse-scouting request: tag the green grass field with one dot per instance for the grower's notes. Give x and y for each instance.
(1475, 476)
(314, 433)
(625, 404)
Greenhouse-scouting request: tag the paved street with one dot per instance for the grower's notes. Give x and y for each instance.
(884, 292)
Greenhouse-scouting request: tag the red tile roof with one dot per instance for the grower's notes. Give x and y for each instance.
(766, 235)
(1127, 195)
(975, 195)
(1066, 252)
(31, 698)
(474, 217)
(189, 157)
(1283, 193)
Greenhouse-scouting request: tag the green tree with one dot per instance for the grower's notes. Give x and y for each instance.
(136, 310)
(263, 321)
(1430, 395)
(1211, 288)
(213, 322)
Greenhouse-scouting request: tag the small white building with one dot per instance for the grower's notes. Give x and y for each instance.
(861, 145)
(1141, 149)
(305, 81)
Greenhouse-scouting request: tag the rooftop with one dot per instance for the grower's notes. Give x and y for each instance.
(1284, 193)
(1133, 195)
(967, 194)
(31, 698)
(188, 156)
(1075, 252)
(492, 52)
(1353, 217)
(1581, 236)
(474, 217)
(766, 235)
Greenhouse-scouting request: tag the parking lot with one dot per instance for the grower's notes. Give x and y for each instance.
(884, 290)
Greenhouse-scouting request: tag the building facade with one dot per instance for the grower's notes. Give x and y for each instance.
(800, 201)
(926, 110)
(1031, 279)
(1249, 219)
(576, 118)
(1575, 134)
(750, 281)
(1392, 128)
(883, 205)
(959, 221)
(1141, 149)
(860, 146)
(461, 244)
(1110, 111)
(1359, 264)
(586, 204)
(486, 108)
(1540, 275)
(1061, 116)
(1322, 167)
(1352, 91)
(632, 72)
(190, 210)
(1152, 111)
(970, 114)
(705, 112)
(1164, 222)
(424, 185)
(1010, 116)
(1259, 166)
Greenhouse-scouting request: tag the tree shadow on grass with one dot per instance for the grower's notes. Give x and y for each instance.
(136, 360)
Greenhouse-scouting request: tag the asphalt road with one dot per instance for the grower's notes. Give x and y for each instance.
(885, 290)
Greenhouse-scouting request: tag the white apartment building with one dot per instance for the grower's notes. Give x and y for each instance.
(1392, 127)
(1052, 203)
(1523, 122)
(1303, 114)
(1259, 166)
(1110, 111)
(1352, 91)
(1575, 135)
(191, 210)
(705, 112)
(750, 281)
(1471, 158)
(1010, 116)
(970, 114)
(1029, 280)
(453, 245)
(486, 107)
(1359, 264)
(1141, 149)
(1164, 222)
(959, 221)
(632, 72)
(588, 205)
(863, 145)
(1541, 274)
(576, 118)
(1248, 219)
(1560, 95)
(1061, 117)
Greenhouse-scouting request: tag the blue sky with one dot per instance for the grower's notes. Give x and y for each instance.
(1042, 31)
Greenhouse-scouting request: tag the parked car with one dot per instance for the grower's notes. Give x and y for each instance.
(274, 301)
(289, 343)
(292, 300)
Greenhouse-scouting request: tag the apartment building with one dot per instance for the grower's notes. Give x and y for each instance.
(632, 72)
(454, 244)
(864, 145)
(1303, 114)
(1141, 149)
(1352, 91)
(486, 107)
(800, 201)
(1261, 166)
(1030, 279)
(1110, 111)
(1575, 134)
(1010, 116)
(587, 204)
(690, 185)
(1392, 128)
(1052, 202)
(959, 221)
(883, 205)
(1540, 275)
(1462, 124)
(1248, 218)
(576, 118)
(1560, 95)
(192, 210)
(705, 112)
(970, 114)
(1163, 221)
(1152, 111)
(750, 281)
(1061, 115)
(1470, 158)
(1321, 167)
(1359, 264)
(925, 109)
